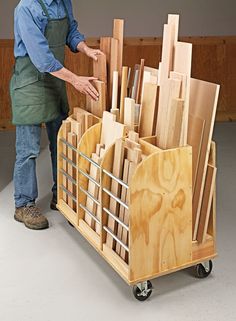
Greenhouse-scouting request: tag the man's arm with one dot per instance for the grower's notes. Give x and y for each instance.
(76, 40)
(41, 56)
(82, 84)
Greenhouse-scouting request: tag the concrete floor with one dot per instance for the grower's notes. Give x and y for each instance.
(55, 275)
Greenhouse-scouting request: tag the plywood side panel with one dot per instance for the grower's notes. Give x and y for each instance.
(161, 229)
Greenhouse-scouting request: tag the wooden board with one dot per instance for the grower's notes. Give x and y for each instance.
(183, 64)
(129, 116)
(167, 53)
(123, 198)
(135, 84)
(212, 220)
(115, 189)
(203, 104)
(140, 82)
(183, 58)
(173, 20)
(93, 190)
(113, 66)
(105, 47)
(206, 203)
(115, 91)
(111, 130)
(168, 91)
(118, 33)
(124, 92)
(175, 124)
(161, 229)
(100, 68)
(183, 79)
(196, 127)
(148, 110)
(98, 107)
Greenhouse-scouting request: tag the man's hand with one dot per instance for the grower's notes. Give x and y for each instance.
(90, 52)
(83, 85)
(93, 53)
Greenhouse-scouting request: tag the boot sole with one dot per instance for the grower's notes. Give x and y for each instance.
(32, 227)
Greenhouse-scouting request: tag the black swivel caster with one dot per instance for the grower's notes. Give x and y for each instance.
(142, 291)
(203, 270)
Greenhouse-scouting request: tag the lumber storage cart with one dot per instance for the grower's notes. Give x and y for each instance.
(159, 207)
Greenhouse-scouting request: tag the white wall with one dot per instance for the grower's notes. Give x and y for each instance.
(143, 17)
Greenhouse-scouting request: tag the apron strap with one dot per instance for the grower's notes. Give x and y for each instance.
(44, 9)
(66, 10)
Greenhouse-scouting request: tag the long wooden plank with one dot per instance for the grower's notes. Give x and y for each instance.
(118, 33)
(173, 19)
(93, 190)
(124, 92)
(167, 53)
(98, 107)
(115, 90)
(212, 220)
(140, 82)
(148, 110)
(129, 116)
(203, 104)
(115, 189)
(183, 64)
(196, 127)
(105, 47)
(170, 91)
(206, 203)
(135, 84)
(100, 68)
(123, 198)
(175, 124)
(113, 65)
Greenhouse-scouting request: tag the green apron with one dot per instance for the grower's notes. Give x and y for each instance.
(40, 97)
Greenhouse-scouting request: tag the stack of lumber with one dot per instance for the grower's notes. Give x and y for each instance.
(127, 156)
(111, 132)
(73, 129)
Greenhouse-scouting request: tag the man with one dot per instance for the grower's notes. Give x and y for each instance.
(42, 29)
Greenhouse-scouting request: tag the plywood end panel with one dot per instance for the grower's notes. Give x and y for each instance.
(161, 229)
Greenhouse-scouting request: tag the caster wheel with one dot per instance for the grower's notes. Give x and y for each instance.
(70, 224)
(142, 291)
(203, 270)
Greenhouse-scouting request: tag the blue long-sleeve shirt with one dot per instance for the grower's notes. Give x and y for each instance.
(29, 27)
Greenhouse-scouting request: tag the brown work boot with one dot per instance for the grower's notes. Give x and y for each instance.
(32, 217)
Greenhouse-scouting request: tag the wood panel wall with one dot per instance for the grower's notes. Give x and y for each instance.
(214, 59)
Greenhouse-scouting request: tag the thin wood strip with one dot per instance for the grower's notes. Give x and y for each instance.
(206, 204)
